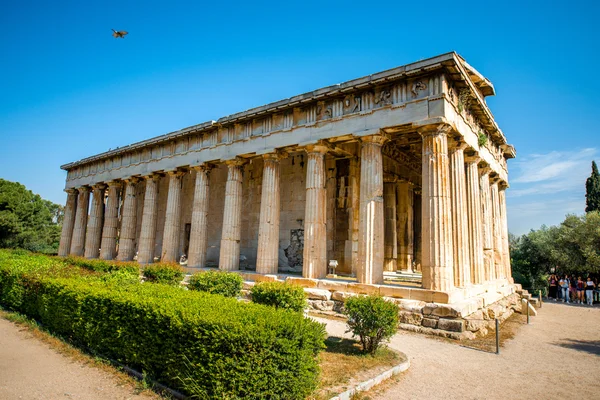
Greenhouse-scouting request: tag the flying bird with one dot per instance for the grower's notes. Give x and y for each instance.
(119, 34)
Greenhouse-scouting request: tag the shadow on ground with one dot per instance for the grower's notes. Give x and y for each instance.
(588, 346)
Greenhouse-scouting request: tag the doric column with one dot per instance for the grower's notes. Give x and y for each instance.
(108, 247)
(371, 228)
(406, 225)
(487, 225)
(497, 227)
(437, 262)
(172, 231)
(81, 215)
(68, 222)
(418, 230)
(474, 220)
(93, 237)
(314, 263)
(229, 257)
(199, 228)
(506, 248)
(268, 228)
(354, 211)
(128, 222)
(458, 201)
(147, 244)
(390, 229)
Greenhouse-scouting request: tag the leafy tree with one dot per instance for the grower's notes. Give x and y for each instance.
(592, 190)
(26, 220)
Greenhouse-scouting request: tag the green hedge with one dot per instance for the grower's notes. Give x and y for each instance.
(228, 284)
(101, 265)
(167, 273)
(279, 295)
(204, 345)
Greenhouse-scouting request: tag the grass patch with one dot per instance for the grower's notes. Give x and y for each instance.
(344, 365)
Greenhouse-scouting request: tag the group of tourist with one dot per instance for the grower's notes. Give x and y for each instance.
(574, 290)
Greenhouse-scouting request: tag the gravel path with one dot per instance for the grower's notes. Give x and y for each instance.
(556, 357)
(31, 370)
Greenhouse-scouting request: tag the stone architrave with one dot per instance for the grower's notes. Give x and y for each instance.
(474, 220)
(437, 262)
(371, 228)
(268, 228)
(229, 257)
(68, 223)
(93, 237)
(172, 231)
(390, 230)
(147, 244)
(406, 225)
(505, 247)
(315, 231)
(487, 225)
(128, 221)
(81, 216)
(497, 227)
(108, 247)
(199, 228)
(458, 201)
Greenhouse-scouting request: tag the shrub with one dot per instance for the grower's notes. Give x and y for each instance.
(280, 295)
(372, 319)
(209, 347)
(228, 284)
(101, 265)
(167, 273)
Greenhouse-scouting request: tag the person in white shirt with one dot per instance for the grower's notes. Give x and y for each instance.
(564, 286)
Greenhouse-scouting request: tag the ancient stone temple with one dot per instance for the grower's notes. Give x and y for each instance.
(402, 170)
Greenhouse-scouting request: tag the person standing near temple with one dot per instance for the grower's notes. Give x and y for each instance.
(564, 286)
(589, 291)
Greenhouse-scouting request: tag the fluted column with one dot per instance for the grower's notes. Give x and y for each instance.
(199, 228)
(487, 225)
(268, 228)
(458, 201)
(371, 228)
(406, 225)
(497, 229)
(172, 231)
(68, 223)
(474, 220)
(147, 244)
(81, 216)
(437, 262)
(128, 222)
(229, 257)
(93, 236)
(314, 263)
(391, 233)
(108, 247)
(418, 230)
(505, 243)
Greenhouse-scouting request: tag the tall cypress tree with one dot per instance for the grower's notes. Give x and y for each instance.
(592, 190)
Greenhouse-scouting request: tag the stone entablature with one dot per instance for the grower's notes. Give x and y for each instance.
(419, 92)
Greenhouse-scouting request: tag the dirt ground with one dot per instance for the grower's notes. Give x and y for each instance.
(32, 370)
(557, 356)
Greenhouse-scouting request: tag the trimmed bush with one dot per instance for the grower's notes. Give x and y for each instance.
(166, 273)
(280, 295)
(206, 346)
(372, 319)
(101, 265)
(227, 284)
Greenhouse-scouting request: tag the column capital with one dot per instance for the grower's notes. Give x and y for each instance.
(503, 185)
(458, 144)
(484, 168)
(471, 156)
(275, 156)
(71, 191)
(99, 186)
(435, 130)
(378, 139)
(494, 178)
(204, 167)
(319, 148)
(131, 180)
(176, 173)
(83, 189)
(154, 176)
(116, 184)
(236, 162)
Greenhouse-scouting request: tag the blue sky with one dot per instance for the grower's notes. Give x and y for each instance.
(68, 89)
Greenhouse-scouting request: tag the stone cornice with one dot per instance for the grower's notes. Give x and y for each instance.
(449, 62)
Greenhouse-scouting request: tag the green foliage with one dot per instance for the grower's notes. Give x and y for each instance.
(227, 284)
(280, 295)
(102, 265)
(482, 139)
(165, 273)
(571, 247)
(372, 319)
(592, 190)
(206, 346)
(27, 221)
